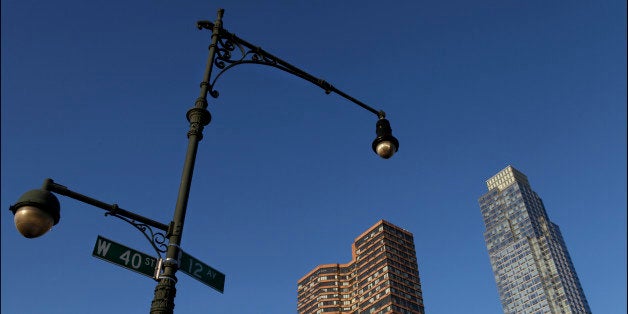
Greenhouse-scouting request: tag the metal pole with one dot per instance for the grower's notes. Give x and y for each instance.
(199, 117)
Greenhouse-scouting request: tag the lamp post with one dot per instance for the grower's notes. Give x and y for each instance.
(37, 211)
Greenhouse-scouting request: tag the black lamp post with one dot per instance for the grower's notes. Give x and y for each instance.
(38, 210)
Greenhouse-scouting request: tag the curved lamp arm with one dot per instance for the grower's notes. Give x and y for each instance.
(34, 206)
(250, 54)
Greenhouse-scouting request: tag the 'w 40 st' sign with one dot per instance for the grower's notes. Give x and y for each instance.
(126, 257)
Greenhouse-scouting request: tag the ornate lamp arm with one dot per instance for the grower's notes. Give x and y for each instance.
(251, 54)
(143, 224)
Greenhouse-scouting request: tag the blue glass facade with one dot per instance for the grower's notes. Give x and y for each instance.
(532, 268)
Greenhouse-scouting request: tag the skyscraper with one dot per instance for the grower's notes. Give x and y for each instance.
(382, 277)
(532, 267)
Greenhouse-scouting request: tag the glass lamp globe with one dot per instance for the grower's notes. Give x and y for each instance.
(35, 212)
(385, 149)
(32, 222)
(385, 144)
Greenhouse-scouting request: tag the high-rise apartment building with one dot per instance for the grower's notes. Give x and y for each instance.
(382, 277)
(532, 268)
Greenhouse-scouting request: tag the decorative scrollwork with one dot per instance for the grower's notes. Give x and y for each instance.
(156, 239)
(225, 60)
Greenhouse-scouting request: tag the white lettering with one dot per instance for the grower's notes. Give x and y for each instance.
(103, 247)
(125, 257)
(197, 271)
(149, 261)
(211, 273)
(136, 261)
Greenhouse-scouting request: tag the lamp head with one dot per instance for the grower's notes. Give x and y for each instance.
(385, 144)
(35, 212)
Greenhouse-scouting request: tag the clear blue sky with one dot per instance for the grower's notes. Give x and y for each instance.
(94, 95)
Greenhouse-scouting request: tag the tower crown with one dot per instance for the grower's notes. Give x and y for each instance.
(505, 178)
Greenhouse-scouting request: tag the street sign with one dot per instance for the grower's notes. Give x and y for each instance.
(126, 257)
(202, 272)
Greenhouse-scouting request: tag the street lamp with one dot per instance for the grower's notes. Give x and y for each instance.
(37, 211)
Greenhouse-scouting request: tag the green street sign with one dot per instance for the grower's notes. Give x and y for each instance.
(202, 272)
(126, 257)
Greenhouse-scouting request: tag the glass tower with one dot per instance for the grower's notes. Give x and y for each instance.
(532, 268)
(381, 278)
